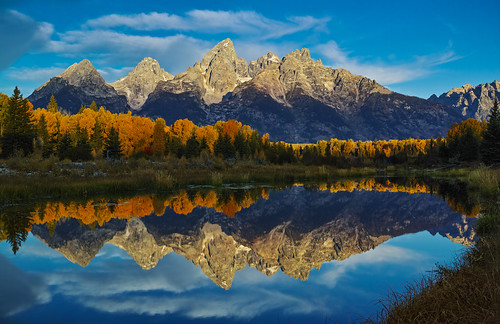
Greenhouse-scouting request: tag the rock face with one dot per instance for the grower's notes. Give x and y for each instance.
(201, 85)
(139, 83)
(471, 102)
(293, 231)
(255, 67)
(78, 85)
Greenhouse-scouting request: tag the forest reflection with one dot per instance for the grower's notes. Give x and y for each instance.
(16, 223)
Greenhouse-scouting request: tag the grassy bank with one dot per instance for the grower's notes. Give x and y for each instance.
(467, 291)
(32, 178)
(23, 178)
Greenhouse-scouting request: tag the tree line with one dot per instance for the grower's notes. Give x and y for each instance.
(94, 132)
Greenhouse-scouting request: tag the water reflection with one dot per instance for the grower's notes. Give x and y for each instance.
(222, 231)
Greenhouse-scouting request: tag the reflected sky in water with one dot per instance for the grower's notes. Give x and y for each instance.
(40, 285)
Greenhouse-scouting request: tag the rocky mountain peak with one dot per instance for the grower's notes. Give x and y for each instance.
(78, 85)
(297, 76)
(224, 49)
(471, 101)
(78, 73)
(223, 70)
(303, 56)
(141, 81)
(218, 73)
(255, 67)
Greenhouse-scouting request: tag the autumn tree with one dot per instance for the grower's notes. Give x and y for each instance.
(93, 106)
(159, 137)
(52, 106)
(183, 129)
(19, 131)
(491, 144)
(463, 140)
(97, 139)
(4, 103)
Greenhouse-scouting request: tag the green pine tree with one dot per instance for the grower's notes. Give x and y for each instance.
(112, 146)
(18, 131)
(64, 146)
(97, 140)
(490, 148)
(241, 145)
(192, 147)
(43, 135)
(82, 151)
(14, 228)
(224, 147)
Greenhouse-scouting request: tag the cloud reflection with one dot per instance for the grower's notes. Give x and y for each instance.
(20, 291)
(385, 254)
(176, 286)
(242, 305)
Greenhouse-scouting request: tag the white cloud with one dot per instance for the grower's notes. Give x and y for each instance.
(121, 277)
(177, 286)
(108, 47)
(251, 50)
(32, 73)
(142, 21)
(384, 73)
(111, 74)
(20, 34)
(211, 21)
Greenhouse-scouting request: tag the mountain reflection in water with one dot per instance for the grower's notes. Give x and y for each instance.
(292, 229)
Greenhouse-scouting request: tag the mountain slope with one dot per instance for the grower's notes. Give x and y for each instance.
(470, 101)
(78, 85)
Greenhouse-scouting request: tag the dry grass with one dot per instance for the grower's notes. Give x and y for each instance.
(33, 177)
(486, 181)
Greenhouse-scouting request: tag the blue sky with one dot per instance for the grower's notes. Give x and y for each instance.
(413, 47)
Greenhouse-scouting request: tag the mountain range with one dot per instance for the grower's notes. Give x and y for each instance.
(294, 98)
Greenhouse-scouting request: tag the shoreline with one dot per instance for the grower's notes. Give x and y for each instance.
(468, 289)
(28, 179)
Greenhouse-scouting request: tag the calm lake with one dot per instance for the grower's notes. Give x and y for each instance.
(302, 253)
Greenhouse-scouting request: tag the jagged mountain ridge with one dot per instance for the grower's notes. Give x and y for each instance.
(141, 81)
(295, 98)
(294, 231)
(78, 85)
(298, 99)
(472, 102)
